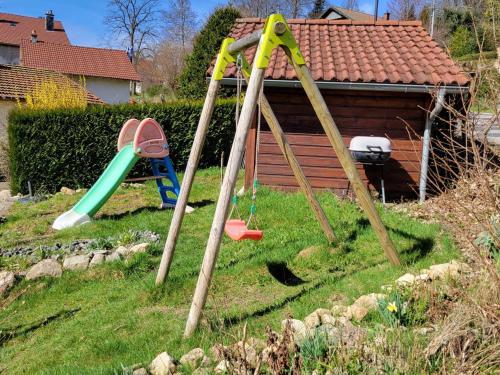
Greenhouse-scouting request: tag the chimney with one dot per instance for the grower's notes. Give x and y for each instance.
(34, 37)
(386, 16)
(49, 21)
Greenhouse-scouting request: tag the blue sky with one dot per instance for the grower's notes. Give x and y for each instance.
(84, 20)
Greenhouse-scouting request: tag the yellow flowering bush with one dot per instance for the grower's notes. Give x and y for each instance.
(51, 94)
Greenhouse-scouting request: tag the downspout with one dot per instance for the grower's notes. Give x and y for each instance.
(426, 143)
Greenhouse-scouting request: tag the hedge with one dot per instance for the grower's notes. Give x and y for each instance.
(71, 147)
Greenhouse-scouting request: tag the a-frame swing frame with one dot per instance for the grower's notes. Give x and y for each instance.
(275, 33)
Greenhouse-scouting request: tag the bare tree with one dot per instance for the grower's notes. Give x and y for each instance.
(134, 22)
(181, 22)
(256, 8)
(405, 9)
(262, 8)
(351, 4)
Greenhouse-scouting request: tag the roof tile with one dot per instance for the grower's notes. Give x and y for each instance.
(86, 61)
(360, 51)
(14, 28)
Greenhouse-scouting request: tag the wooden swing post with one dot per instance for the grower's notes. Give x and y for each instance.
(221, 211)
(344, 156)
(187, 180)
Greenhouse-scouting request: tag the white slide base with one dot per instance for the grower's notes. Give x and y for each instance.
(70, 219)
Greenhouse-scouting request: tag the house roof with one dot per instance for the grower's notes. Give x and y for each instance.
(86, 61)
(14, 28)
(16, 81)
(348, 14)
(392, 52)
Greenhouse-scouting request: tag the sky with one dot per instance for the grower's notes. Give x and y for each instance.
(84, 20)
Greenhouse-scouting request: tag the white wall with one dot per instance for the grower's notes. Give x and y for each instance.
(9, 54)
(108, 89)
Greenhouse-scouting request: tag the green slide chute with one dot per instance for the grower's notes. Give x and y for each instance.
(104, 187)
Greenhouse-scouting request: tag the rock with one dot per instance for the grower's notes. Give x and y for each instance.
(221, 367)
(193, 358)
(369, 301)
(163, 364)
(97, 259)
(338, 310)
(318, 317)
(422, 278)
(76, 262)
(5, 195)
(330, 333)
(139, 248)
(356, 312)
(123, 251)
(452, 269)
(300, 331)
(312, 320)
(113, 257)
(350, 335)
(406, 280)
(140, 371)
(7, 281)
(307, 252)
(67, 191)
(47, 267)
(251, 354)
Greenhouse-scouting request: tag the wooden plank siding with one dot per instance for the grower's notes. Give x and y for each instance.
(397, 116)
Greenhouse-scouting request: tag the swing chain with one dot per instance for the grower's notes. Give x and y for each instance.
(255, 185)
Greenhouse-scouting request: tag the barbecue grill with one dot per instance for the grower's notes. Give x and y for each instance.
(372, 151)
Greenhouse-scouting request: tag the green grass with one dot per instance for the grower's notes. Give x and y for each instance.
(124, 319)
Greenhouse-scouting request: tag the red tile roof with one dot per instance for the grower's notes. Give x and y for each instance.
(16, 81)
(352, 51)
(86, 61)
(14, 28)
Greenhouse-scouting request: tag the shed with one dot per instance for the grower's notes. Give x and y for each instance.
(378, 78)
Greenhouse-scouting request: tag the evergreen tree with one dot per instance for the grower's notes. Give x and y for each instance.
(318, 9)
(192, 82)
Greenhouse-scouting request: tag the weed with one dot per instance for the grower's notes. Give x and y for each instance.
(393, 310)
(313, 350)
(139, 263)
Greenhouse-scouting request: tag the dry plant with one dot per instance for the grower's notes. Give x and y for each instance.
(465, 179)
(465, 173)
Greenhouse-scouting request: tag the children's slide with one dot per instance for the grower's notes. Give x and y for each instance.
(100, 192)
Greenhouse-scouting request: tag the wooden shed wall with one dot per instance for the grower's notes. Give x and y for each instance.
(397, 116)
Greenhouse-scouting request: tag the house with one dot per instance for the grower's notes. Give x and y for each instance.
(14, 28)
(339, 13)
(377, 79)
(108, 73)
(16, 81)
(42, 43)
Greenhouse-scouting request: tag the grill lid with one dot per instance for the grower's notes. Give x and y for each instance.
(370, 144)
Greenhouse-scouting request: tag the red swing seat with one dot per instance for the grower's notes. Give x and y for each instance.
(237, 230)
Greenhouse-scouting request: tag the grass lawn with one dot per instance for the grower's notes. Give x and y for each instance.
(124, 319)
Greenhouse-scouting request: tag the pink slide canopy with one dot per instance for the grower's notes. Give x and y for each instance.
(149, 140)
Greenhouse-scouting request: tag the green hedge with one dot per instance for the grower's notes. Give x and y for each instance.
(71, 147)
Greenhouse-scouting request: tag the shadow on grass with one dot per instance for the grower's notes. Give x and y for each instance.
(283, 274)
(121, 215)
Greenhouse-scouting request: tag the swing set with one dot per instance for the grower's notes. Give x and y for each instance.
(275, 33)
